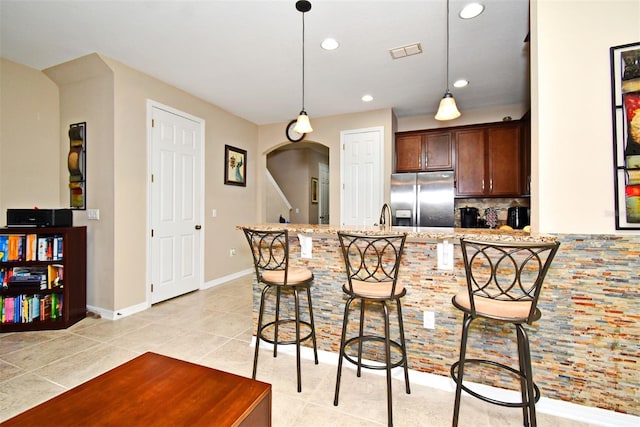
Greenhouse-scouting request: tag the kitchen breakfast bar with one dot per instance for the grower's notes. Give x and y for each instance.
(428, 289)
(584, 349)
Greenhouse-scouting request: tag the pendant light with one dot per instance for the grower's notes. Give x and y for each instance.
(302, 124)
(447, 109)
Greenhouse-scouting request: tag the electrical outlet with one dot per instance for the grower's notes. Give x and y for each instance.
(429, 320)
(232, 252)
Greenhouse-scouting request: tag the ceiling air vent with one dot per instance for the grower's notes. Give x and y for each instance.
(408, 50)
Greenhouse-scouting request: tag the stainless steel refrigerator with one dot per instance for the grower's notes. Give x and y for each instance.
(424, 199)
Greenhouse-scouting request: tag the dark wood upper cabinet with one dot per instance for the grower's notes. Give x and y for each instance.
(470, 162)
(408, 153)
(490, 161)
(423, 151)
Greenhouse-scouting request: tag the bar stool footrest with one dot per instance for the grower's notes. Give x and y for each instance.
(303, 323)
(394, 345)
(454, 375)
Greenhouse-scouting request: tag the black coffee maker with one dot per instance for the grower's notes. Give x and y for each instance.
(518, 217)
(469, 217)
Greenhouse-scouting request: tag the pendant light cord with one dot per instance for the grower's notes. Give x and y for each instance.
(303, 61)
(447, 46)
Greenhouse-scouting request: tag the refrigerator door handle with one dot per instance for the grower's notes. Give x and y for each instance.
(416, 219)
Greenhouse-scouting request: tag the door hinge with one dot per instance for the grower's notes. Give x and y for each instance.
(152, 232)
(152, 178)
(152, 287)
(153, 123)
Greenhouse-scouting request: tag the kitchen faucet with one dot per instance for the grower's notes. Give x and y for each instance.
(385, 215)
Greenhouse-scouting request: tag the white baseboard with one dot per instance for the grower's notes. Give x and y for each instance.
(558, 408)
(228, 278)
(128, 311)
(119, 314)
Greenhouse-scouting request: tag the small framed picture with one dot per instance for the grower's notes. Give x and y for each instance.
(235, 166)
(314, 190)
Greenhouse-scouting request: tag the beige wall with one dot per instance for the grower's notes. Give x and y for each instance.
(234, 205)
(86, 95)
(112, 99)
(290, 169)
(571, 146)
(572, 154)
(326, 131)
(468, 117)
(30, 158)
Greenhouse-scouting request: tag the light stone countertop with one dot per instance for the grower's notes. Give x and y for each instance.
(413, 233)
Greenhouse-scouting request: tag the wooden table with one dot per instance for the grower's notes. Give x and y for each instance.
(156, 390)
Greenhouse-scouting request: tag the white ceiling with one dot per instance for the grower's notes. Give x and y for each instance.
(245, 56)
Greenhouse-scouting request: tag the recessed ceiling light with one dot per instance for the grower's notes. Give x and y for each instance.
(367, 98)
(471, 10)
(329, 44)
(460, 83)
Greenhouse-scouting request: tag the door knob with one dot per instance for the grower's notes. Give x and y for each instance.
(198, 226)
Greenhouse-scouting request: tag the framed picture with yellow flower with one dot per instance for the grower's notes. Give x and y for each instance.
(235, 166)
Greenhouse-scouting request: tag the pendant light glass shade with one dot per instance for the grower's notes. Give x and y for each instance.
(303, 125)
(448, 110)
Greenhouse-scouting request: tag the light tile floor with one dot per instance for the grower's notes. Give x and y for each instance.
(213, 328)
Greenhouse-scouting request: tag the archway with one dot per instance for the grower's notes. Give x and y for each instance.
(296, 194)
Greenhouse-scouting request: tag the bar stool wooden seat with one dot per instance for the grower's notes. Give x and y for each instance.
(270, 250)
(504, 281)
(372, 264)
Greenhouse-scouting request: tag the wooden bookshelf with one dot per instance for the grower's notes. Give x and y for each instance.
(43, 273)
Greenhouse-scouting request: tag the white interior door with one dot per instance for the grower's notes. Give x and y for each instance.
(175, 204)
(323, 193)
(361, 173)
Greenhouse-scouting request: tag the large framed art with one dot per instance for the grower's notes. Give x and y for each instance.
(625, 100)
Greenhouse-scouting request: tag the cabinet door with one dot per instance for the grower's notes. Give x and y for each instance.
(470, 162)
(504, 148)
(438, 151)
(408, 153)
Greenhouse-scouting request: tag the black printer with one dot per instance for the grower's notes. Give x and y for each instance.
(39, 218)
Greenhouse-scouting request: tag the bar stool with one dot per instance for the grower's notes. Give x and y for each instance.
(372, 264)
(503, 285)
(270, 250)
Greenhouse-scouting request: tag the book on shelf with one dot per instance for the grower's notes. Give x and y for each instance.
(32, 277)
(50, 248)
(56, 276)
(4, 248)
(31, 308)
(31, 245)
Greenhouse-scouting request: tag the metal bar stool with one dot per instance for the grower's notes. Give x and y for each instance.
(503, 285)
(372, 264)
(270, 250)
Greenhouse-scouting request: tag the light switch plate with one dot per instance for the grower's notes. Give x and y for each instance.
(93, 214)
(445, 255)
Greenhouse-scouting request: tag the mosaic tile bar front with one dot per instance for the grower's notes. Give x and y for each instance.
(585, 348)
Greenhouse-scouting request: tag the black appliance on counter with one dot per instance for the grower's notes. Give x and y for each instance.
(469, 217)
(518, 217)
